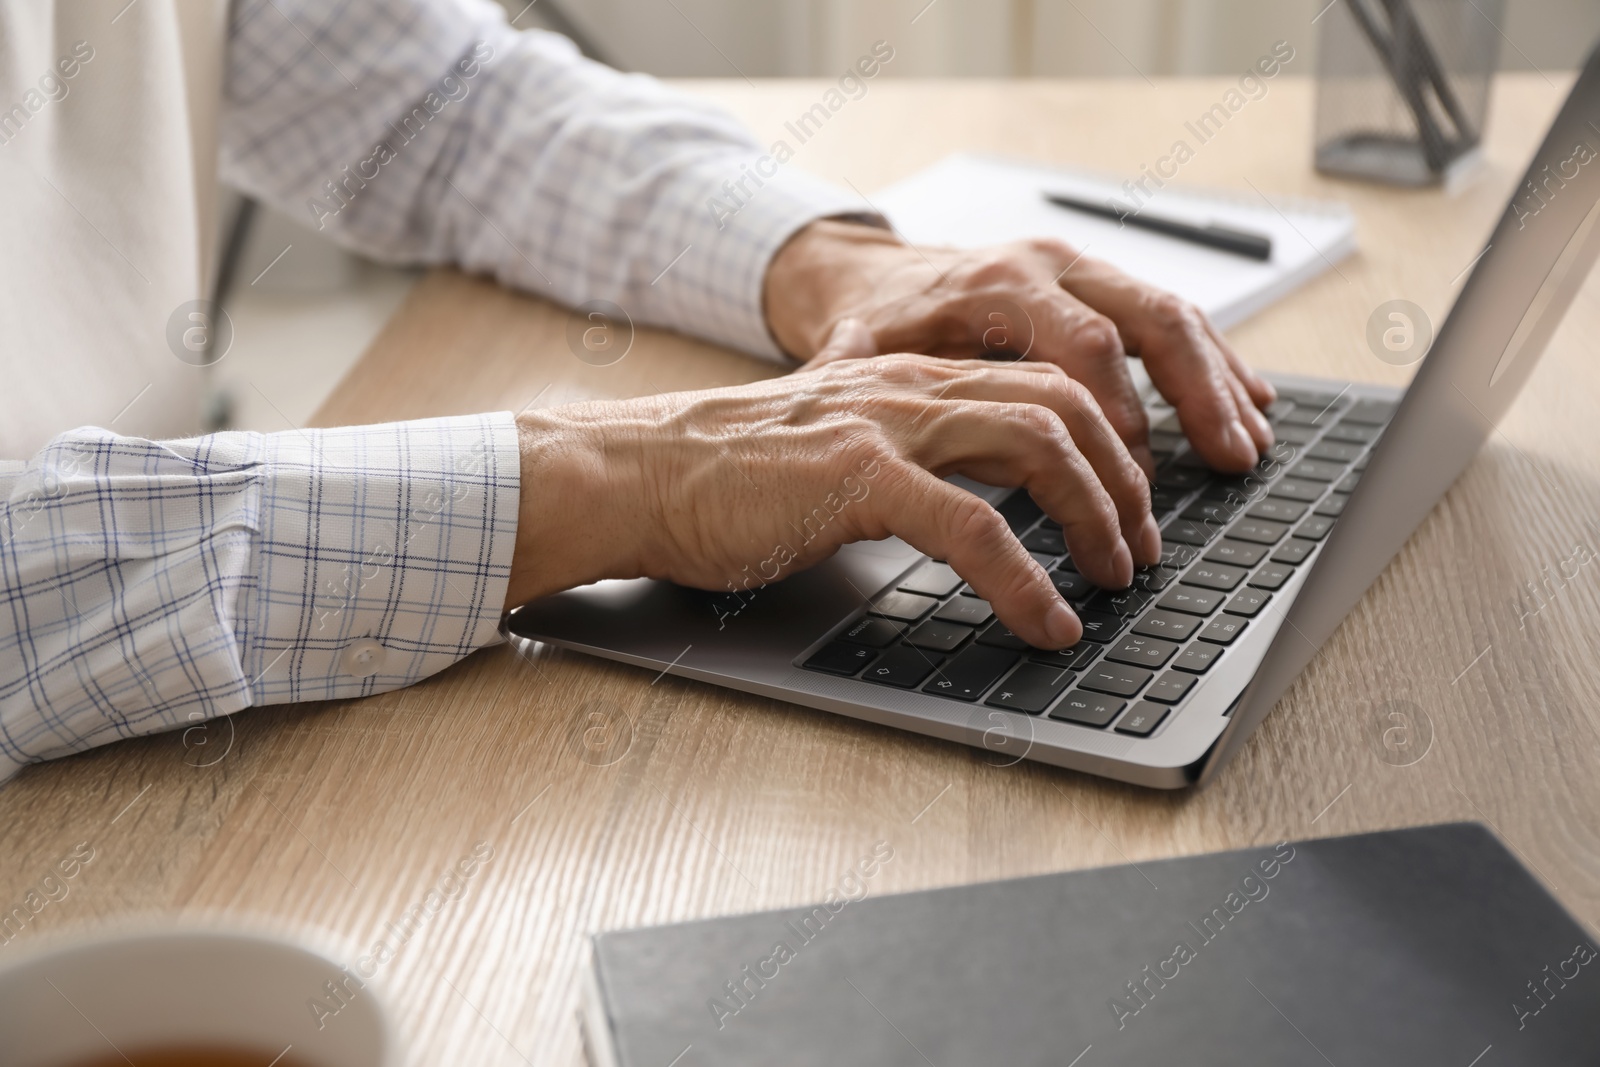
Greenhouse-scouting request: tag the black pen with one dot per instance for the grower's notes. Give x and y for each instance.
(1239, 242)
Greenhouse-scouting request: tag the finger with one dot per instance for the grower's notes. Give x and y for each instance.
(1250, 415)
(1086, 344)
(1028, 445)
(1184, 362)
(1089, 431)
(1262, 392)
(951, 524)
(849, 339)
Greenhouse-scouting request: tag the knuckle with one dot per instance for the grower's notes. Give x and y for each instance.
(997, 270)
(1174, 314)
(973, 522)
(1052, 247)
(1078, 395)
(1040, 421)
(1098, 337)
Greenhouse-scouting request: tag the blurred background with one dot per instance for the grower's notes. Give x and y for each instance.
(993, 38)
(304, 311)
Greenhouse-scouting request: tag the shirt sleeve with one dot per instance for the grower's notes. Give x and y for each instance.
(152, 585)
(430, 131)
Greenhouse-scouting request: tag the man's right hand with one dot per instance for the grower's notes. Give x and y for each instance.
(708, 488)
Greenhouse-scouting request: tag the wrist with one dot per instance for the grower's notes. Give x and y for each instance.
(574, 480)
(818, 275)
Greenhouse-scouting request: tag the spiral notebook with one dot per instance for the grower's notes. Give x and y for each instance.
(972, 200)
(1431, 945)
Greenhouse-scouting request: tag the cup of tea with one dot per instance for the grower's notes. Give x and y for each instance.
(162, 995)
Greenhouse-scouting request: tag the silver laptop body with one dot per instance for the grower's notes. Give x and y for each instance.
(812, 639)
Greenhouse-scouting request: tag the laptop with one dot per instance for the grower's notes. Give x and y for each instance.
(1176, 672)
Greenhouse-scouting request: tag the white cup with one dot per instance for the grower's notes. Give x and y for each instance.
(167, 986)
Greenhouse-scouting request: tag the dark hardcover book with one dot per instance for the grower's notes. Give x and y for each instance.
(1421, 946)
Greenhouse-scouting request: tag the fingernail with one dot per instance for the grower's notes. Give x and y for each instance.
(1062, 626)
(1149, 540)
(1240, 442)
(1263, 429)
(1122, 563)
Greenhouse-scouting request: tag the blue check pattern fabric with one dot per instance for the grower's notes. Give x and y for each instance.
(149, 586)
(431, 131)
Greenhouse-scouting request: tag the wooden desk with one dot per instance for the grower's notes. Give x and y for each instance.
(343, 815)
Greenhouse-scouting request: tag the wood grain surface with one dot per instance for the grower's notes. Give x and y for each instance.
(697, 802)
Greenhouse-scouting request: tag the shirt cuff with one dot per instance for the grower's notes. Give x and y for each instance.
(383, 556)
(748, 208)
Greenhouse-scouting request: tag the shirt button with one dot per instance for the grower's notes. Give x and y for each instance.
(363, 658)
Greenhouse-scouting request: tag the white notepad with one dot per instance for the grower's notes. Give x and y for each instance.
(970, 201)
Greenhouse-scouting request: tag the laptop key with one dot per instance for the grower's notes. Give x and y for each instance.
(1101, 626)
(1315, 528)
(1214, 575)
(1295, 550)
(1297, 489)
(1272, 576)
(1277, 510)
(1236, 553)
(1247, 602)
(873, 631)
(966, 609)
(1353, 431)
(1258, 531)
(908, 607)
(1020, 511)
(1169, 625)
(1335, 451)
(1087, 709)
(967, 675)
(1191, 599)
(1223, 629)
(1213, 511)
(1141, 651)
(1031, 688)
(1176, 555)
(1170, 688)
(1116, 679)
(1375, 412)
(1296, 435)
(1075, 658)
(932, 579)
(939, 635)
(1142, 720)
(1197, 658)
(999, 635)
(1317, 470)
(1189, 532)
(1046, 539)
(1122, 602)
(1174, 476)
(1154, 579)
(1164, 500)
(1333, 507)
(903, 667)
(841, 657)
(1072, 585)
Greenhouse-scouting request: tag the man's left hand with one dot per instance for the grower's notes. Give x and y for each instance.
(866, 292)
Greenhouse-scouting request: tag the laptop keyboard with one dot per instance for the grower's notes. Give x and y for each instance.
(1229, 543)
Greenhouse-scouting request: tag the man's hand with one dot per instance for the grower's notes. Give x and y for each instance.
(1080, 314)
(711, 488)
